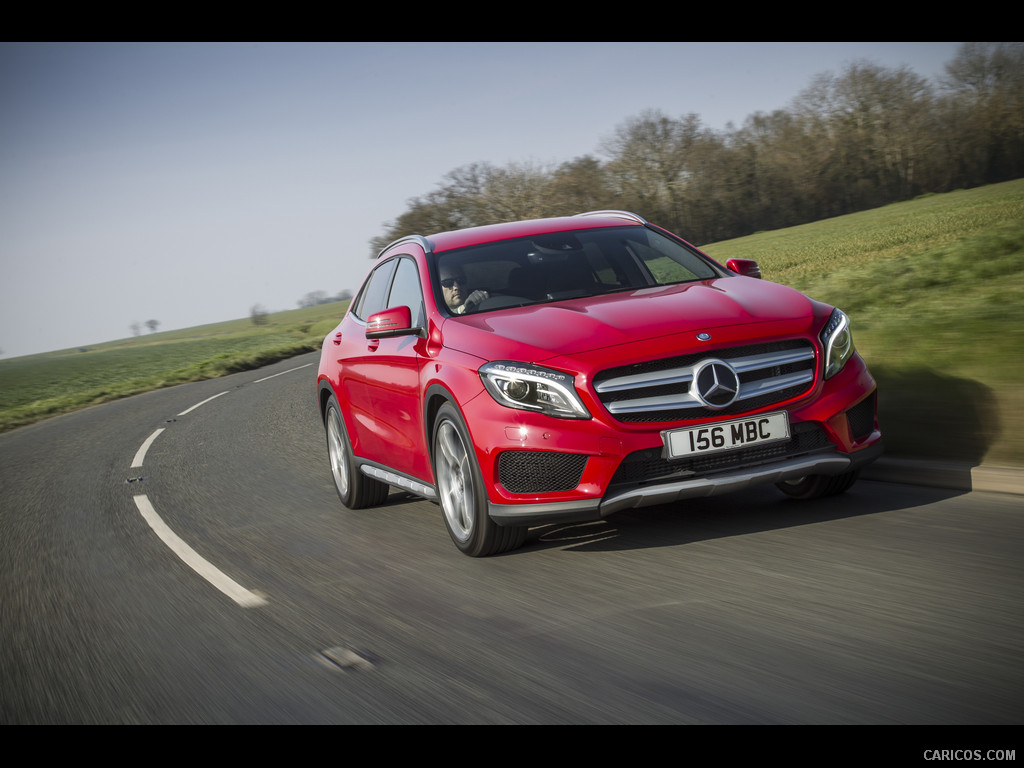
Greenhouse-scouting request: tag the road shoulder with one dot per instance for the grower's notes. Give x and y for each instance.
(960, 476)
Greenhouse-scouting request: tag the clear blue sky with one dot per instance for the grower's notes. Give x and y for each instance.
(187, 182)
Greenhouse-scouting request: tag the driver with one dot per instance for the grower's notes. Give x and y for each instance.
(455, 290)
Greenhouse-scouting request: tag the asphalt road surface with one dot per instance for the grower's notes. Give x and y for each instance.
(175, 559)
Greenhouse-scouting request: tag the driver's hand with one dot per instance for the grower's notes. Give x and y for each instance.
(475, 298)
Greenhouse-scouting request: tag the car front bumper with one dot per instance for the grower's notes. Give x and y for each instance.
(834, 433)
(828, 463)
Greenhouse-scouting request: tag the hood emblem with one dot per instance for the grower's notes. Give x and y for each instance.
(716, 384)
(704, 336)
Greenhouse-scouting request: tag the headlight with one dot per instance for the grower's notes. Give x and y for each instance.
(532, 388)
(837, 339)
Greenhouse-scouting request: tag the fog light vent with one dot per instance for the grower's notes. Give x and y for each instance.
(862, 418)
(540, 471)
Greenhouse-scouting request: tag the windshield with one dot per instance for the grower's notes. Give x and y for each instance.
(564, 265)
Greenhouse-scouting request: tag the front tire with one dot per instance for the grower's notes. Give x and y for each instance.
(818, 486)
(461, 491)
(356, 490)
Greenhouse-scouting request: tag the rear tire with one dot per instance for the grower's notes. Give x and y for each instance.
(356, 490)
(461, 491)
(818, 486)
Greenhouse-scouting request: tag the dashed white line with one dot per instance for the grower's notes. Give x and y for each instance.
(141, 454)
(189, 410)
(282, 373)
(232, 589)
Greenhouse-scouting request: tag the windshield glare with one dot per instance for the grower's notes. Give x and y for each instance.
(567, 265)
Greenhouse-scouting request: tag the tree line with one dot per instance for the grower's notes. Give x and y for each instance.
(862, 138)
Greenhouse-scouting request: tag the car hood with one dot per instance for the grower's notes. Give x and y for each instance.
(576, 326)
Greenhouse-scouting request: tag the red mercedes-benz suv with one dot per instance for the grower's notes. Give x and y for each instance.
(569, 368)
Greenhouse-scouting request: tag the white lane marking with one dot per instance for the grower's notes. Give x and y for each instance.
(189, 410)
(191, 558)
(282, 373)
(141, 455)
(230, 588)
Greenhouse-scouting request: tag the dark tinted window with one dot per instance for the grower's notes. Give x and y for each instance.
(566, 265)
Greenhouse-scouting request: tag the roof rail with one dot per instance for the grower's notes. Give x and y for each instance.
(420, 240)
(616, 214)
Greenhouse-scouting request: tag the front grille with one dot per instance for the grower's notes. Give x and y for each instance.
(650, 466)
(540, 471)
(660, 390)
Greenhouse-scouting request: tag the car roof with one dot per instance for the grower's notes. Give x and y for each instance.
(489, 233)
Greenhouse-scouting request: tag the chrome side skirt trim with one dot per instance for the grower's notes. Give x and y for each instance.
(399, 481)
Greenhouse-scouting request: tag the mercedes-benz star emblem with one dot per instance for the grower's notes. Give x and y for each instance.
(717, 384)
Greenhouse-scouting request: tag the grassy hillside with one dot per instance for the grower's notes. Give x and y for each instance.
(935, 289)
(38, 386)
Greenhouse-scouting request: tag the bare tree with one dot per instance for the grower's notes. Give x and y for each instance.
(518, 191)
(258, 314)
(983, 111)
(582, 184)
(313, 298)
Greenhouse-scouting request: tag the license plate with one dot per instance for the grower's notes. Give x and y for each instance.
(727, 435)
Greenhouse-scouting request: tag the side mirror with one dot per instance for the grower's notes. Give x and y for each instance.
(396, 321)
(744, 267)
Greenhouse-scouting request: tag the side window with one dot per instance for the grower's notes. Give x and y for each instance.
(406, 292)
(375, 290)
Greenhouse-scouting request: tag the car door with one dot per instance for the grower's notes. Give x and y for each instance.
(382, 375)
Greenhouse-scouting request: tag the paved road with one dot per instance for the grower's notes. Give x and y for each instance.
(219, 581)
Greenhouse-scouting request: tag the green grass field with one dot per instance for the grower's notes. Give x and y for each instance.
(934, 287)
(37, 386)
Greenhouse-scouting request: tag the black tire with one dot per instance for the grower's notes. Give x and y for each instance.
(818, 486)
(461, 491)
(356, 490)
